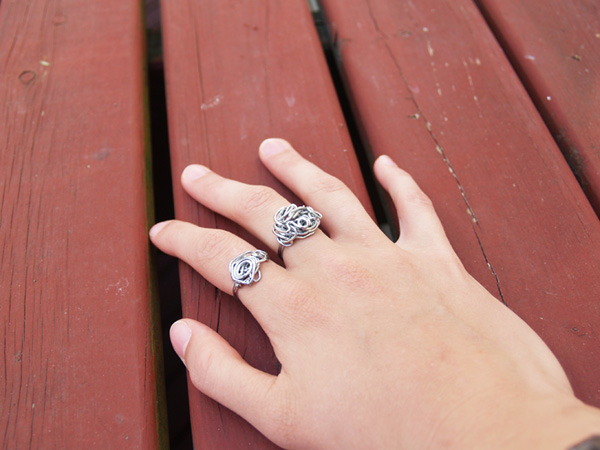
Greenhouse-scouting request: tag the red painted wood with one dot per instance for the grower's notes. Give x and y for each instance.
(555, 48)
(237, 73)
(432, 88)
(78, 354)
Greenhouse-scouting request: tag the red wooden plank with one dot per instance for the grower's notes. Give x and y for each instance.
(555, 48)
(433, 89)
(78, 359)
(237, 73)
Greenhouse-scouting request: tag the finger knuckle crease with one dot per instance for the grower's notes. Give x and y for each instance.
(417, 197)
(256, 199)
(200, 375)
(212, 246)
(328, 185)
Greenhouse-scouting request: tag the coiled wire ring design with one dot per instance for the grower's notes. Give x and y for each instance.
(294, 222)
(245, 269)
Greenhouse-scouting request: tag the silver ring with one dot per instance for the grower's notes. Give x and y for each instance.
(245, 269)
(294, 222)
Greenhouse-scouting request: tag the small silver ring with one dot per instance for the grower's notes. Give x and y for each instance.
(294, 222)
(245, 269)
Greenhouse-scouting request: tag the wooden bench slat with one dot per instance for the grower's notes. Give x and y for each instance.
(433, 89)
(555, 48)
(76, 313)
(237, 73)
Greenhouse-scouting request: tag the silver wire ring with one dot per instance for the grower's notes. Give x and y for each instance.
(294, 222)
(245, 269)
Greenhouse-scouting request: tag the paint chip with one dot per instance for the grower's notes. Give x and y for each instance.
(429, 48)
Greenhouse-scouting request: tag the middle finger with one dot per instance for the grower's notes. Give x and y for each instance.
(252, 207)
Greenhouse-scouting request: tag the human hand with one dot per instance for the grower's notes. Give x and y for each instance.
(382, 344)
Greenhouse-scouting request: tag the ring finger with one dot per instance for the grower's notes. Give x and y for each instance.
(209, 252)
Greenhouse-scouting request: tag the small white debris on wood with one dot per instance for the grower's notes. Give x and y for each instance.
(429, 48)
(211, 104)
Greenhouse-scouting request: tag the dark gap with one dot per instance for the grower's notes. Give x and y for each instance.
(361, 147)
(167, 267)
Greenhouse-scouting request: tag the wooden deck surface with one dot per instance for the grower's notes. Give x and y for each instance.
(433, 89)
(555, 46)
(79, 354)
(476, 99)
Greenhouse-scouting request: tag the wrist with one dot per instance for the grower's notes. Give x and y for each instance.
(559, 422)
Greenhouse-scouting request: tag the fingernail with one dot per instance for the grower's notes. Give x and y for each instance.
(156, 228)
(194, 171)
(385, 159)
(271, 147)
(180, 337)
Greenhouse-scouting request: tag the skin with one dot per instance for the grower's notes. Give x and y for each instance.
(382, 344)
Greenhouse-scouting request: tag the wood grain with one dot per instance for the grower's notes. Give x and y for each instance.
(239, 72)
(555, 47)
(432, 88)
(79, 357)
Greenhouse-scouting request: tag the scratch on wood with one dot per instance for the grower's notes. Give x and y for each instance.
(218, 300)
(221, 417)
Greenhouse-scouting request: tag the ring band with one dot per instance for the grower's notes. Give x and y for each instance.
(245, 269)
(294, 222)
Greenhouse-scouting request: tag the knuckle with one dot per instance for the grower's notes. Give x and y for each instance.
(416, 196)
(451, 266)
(352, 273)
(256, 199)
(366, 276)
(328, 184)
(211, 245)
(303, 305)
(201, 367)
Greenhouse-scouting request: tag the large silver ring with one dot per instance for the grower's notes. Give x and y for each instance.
(245, 269)
(294, 222)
